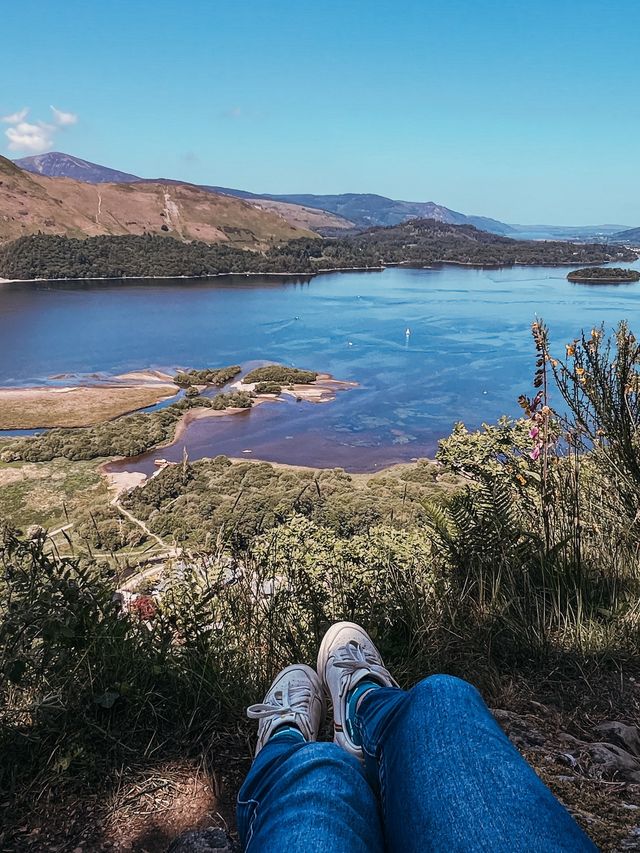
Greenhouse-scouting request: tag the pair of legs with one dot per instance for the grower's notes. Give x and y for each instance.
(437, 774)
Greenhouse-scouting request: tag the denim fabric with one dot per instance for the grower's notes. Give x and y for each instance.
(310, 797)
(444, 774)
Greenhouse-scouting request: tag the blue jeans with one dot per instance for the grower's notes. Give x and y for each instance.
(439, 776)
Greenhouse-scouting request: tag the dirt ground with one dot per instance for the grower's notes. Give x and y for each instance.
(146, 808)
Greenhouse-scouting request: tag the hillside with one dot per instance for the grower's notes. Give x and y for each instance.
(630, 235)
(31, 203)
(321, 213)
(368, 209)
(426, 241)
(56, 164)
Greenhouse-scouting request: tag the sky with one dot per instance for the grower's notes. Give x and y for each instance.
(524, 111)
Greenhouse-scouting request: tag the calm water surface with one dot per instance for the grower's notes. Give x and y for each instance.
(468, 355)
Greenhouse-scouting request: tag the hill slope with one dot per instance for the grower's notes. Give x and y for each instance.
(630, 235)
(56, 164)
(368, 209)
(322, 213)
(30, 203)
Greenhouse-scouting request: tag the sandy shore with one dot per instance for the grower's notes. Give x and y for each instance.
(323, 390)
(123, 481)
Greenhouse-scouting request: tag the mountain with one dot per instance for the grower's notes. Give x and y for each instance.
(367, 210)
(599, 233)
(30, 203)
(322, 213)
(629, 235)
(55, 164)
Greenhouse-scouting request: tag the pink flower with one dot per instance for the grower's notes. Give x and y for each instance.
(534, 432)
(535, 453)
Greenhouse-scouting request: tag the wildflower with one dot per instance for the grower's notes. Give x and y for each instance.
(595, 334)
(535, 453)
(579, 371)
(534, 432)
(571, 350)
(521, 479)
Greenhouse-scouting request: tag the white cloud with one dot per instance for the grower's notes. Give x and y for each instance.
(35, 138)
(16, 118)
(63, 119)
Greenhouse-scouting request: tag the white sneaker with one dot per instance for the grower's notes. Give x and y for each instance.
(295, 698)
(347, 656)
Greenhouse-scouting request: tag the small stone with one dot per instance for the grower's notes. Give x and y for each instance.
(210, 840)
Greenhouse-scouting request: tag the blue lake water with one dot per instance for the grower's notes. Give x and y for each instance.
(468, 356)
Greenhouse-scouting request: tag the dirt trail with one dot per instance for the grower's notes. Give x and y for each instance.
(141, 524)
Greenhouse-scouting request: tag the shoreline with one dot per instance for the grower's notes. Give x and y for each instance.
(313, 273)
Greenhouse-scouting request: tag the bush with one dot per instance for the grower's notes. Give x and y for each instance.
(281, 375)
(267, 388)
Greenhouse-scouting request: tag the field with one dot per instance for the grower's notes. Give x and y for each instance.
(49, 494)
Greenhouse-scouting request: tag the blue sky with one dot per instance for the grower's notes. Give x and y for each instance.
(528, 112)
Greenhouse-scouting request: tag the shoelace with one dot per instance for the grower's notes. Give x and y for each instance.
(295, 699)
(353, 657)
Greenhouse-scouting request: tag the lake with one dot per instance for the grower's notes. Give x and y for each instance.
(468, 354)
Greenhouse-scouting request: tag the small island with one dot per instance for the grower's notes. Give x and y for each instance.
(604, 275)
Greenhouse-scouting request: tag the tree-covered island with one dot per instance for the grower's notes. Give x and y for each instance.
(604, 275)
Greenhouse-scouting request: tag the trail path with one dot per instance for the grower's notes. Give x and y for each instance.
(170, 552)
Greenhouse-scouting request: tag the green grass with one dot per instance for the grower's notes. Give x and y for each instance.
(37, 493)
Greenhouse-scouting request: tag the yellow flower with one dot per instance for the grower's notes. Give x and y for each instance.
(521, 479)
(554, 362)
(595, 334)
(579, 370)
(571, 350)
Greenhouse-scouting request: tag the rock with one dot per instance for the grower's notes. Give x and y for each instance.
(35, 532)
(612, 761)
(627, 737)
(210, 840)
(519, 730)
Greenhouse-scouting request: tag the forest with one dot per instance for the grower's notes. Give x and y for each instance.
(420, 242)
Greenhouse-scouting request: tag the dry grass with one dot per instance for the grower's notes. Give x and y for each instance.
(31, 408)
(35, 203)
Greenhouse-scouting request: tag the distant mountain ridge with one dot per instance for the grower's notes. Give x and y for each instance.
(55, 164)
(629, 235)
(331, 215)
(345, 211)
(369, 210)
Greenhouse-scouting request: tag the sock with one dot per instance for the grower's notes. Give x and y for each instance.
(287, 729)
(353, 700)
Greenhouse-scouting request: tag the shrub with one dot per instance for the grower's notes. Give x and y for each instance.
(280, 375)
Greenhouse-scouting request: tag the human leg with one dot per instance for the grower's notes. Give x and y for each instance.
(447, 776)
(301, 795)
